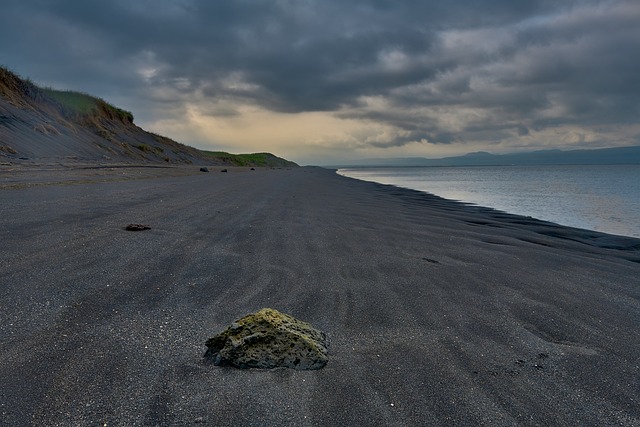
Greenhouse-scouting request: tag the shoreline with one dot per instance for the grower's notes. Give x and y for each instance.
(518, 198)
(437, 312)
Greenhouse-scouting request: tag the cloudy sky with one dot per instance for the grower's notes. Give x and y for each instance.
(321, 81)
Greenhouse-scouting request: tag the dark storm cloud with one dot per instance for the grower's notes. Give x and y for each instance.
(515, 66)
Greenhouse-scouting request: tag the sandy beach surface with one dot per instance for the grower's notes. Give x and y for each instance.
(438, 313)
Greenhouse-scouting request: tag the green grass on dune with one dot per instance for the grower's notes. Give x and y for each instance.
(83, 104)
(76, 101)
(253, 159)
(70, 103)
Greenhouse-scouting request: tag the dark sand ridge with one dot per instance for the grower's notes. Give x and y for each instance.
(438, 313)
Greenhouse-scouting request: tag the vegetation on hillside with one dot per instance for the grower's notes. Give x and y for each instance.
(79, 103)
(254, 159)
(58, 110)
(72, 104)
(13, 88)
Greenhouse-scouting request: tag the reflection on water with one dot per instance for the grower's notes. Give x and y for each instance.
(597, 197)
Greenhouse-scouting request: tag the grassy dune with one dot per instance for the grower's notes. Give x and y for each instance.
(84, 104)
(253, 159)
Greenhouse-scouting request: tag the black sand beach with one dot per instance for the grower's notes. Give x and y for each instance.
(437, 313)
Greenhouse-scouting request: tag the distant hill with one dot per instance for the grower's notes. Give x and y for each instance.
(47, 125)
(611, 156)
(254, 159)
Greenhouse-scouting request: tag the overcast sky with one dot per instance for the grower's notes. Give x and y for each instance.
(318, 81)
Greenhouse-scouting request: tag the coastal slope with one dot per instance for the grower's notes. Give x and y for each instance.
(43, 125)
(437, 313)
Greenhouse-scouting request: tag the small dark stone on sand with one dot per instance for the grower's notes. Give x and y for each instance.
(137, 227)
(269, 339)
(203, 169)
(224, 170)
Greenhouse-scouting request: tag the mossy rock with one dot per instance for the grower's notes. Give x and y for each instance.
(269, 339)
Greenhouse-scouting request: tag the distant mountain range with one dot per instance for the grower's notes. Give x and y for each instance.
(43, 125)
(611, 156)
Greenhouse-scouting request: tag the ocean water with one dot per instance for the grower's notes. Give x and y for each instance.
(604, 198)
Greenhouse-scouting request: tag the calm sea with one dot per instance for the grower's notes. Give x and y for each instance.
(596, 197)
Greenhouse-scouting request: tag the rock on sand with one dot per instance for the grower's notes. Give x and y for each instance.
(269, 339)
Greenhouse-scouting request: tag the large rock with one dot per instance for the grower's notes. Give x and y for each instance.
(269, 339)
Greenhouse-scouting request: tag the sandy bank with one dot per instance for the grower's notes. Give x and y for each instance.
(18, 176)
(437, 313)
